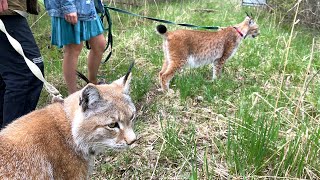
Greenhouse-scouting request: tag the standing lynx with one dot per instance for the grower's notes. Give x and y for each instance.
(60, 140)
(196, 48)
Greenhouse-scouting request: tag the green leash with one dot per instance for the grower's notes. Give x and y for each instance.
(108, 18)
(110, 38)
(108, 29)
(161, 20)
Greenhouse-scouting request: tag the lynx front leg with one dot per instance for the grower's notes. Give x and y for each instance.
(217, 68)
(164, 68)
(214, 72)
(167, 76)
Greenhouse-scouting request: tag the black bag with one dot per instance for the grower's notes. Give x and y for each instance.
(32, 7)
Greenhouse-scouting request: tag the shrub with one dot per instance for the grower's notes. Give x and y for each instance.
(308, 14)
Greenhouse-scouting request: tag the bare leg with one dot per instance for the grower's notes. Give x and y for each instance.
(98, 44)
(70, 61)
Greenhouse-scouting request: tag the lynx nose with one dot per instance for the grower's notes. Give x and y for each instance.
(130, 137)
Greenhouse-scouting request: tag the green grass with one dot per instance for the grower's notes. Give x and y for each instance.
(245, 125)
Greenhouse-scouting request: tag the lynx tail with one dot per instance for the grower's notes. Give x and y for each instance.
(161, 29)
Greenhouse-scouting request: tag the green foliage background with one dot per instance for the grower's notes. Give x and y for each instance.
(260, 120)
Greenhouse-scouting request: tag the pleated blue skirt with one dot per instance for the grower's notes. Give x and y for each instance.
(64, 33)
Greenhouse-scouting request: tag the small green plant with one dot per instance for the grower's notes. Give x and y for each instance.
(252, 141)
(173, 145)
(194, 165)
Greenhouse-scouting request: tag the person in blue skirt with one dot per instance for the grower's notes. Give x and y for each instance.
(72, 23)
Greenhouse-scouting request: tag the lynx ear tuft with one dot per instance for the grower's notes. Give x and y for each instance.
(90, 96)
(82, 76)
(124, 81)
(126, 77)
(247, 14)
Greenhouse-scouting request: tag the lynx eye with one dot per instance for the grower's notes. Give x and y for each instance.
(251, 22)
(114, 125)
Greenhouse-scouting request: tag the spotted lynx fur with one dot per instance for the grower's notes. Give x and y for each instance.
(196, 48)
(60, 140)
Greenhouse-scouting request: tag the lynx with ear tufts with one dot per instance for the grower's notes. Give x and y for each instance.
(196, 48)
(60, 140)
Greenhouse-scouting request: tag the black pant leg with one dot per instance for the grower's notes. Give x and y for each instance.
(22, 88)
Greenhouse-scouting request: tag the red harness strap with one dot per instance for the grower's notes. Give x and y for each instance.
(240, 33)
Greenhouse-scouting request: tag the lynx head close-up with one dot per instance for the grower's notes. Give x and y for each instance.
(251, 26)
(104, 118)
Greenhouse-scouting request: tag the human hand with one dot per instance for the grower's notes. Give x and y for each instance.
(71, 17)
(3, 5)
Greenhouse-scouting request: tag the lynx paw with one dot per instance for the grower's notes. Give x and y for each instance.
(214, 77)
(168, 91)
(57, 99)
